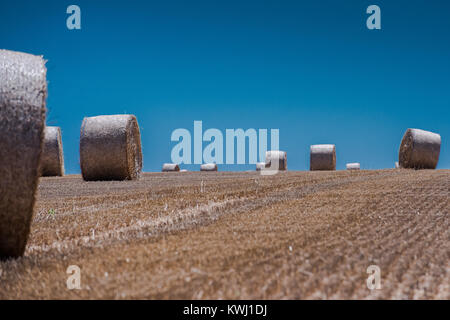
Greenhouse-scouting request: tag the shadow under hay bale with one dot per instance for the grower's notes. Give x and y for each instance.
(276, 158)
(322, 157)
(23, 92)
(110, 148)
(170, 167)
(419, 149)
(353, 166)
(208, 167)
(52, 159)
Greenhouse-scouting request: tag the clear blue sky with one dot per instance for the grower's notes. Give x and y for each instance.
(309, 68)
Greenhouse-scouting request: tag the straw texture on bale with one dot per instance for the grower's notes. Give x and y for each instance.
(23, 92)
(260, 166)
(208, 167)
(419, 149)
(110, 148)
(323, 157)
(353, 166)
(52, 159)
(167, 167)
(275, 156)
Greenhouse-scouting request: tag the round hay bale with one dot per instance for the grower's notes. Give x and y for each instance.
(419, 149)
(52, 159)
(323, 157)
(275, 157)
(23, 92)
(110, 148)
(168, 167)
(353, 166)
(260, 166)
(397, 166)
(208, 167)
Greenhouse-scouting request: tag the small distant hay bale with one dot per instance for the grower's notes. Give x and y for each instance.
(323, 157)
(170, 167)
(260, 166)
(110, 148)
(397, 166)
(353, 166)
(23, 92)
(419, 149)
(274, 158)
(52, 159)
(208, 167)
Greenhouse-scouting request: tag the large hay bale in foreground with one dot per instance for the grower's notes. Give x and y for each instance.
(419, 149)
(110, 148)
(323, 157)
(353, 166)
(276, 160)
(208, 167)
(23, 91)
(169, 167)
(52, 159)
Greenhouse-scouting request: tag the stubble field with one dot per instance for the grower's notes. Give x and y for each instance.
(225, 235)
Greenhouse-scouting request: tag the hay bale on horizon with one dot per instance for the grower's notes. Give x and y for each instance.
(170, 167)
(322, 157)
(419, 149)
(208, 167)
(110, 148)
(260, 166)
(23, 92)
(52, 159)
(397, 166)
(274, 158)
(353, 166)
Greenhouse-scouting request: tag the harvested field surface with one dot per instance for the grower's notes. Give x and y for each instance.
(228, 235)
